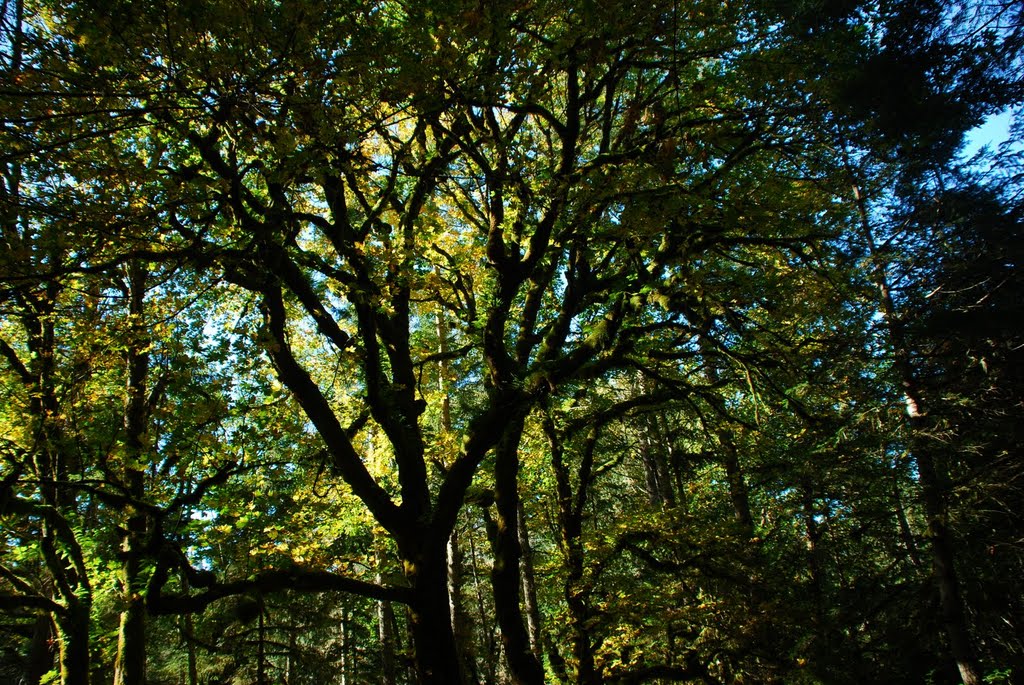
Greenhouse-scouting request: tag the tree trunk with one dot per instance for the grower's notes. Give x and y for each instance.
(130, 662)
(738, 491)
(570, 523)
(932, 493)
(524, 667)
(434, 650)
(261, 645)
(40, 655)
(944, 570)
(901, 517)
(386, 636)
(529, 586)
(461, 627)
(73, 641)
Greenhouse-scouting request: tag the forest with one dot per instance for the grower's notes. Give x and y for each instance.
(509, 342)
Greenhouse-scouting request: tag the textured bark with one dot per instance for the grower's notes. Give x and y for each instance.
(73, 641)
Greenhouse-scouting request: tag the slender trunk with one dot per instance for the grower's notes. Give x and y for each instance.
(932, 493)
(529, 586)
(187, 632)
(944, 571)
(812, 535)
(901, 518)
(461, 627)
(738, 493)
(291, 670)
(261, 645)
(386, 636)
(570, 522)
(651, 474)
(130, 662)
(491, 658)
(40, 654)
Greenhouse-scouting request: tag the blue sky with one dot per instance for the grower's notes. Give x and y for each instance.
(994, 131)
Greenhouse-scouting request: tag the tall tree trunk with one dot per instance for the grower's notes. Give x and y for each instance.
(73, 644)
(524, 667)
(261, 644)
(386, 637)
(130, 662)
(739, 494)
(39, 659)
(570, 523)
(291, 669)
(185, 626)
(461, 627)
(434, 650)
(529, 586)
(901, 517)
(933, 496)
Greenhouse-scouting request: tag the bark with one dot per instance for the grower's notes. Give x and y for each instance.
(461, 626)
(386, 636)
(40, 655)
(901, 517)
(73, 643)
(261, 645)
(944, 571)
(529, 586)
(291, 674)
(130, 661)
(524, 667)
(187, 632)
(739, 494)
(570, 523)
(434, 650)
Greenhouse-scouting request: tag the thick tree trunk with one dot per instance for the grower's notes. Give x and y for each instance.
(524, 667)
(73, 641)
(130, 663)
(434, 650)
(40, 654)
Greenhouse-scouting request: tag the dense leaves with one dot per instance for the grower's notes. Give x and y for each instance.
(508, 342)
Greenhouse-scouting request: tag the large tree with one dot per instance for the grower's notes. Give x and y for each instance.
(475, 243)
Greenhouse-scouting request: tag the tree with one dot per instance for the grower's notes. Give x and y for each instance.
(467, 241)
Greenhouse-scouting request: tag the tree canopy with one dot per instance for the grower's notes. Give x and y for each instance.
(522, 342)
